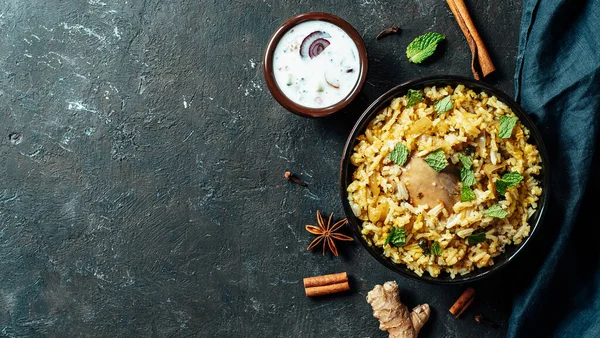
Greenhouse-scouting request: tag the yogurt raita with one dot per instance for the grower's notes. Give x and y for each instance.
(316, 64)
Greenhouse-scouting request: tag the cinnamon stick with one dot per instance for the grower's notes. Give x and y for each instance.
(325, 280)
(327, 289)
(326, 284)
(480, 59)
(463, 302)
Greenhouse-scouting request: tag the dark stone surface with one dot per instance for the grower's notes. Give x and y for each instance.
(141, 192)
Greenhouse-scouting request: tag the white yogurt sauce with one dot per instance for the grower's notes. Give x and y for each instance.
(312, 82)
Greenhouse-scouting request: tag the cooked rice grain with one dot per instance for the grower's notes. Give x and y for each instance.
(378, 197)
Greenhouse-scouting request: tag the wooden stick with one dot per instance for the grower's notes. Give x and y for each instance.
(463, 302)
(325, 280)
(478, 51)
(327, 289)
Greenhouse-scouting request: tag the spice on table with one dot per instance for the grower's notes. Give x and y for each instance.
(326, 233)
(463, 302)
(481, 320)
(394, 317)
(334, 278)
(480, 59)
(291, 177)
(326, 284)
(389, 31)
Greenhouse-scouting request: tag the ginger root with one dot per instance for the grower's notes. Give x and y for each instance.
(393, 315)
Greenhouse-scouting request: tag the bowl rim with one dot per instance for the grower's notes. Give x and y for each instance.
(268, 64)
(419, 83)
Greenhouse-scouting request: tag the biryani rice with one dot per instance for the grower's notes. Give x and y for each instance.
(381, 201)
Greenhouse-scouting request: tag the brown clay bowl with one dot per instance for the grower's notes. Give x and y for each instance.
(268, 65)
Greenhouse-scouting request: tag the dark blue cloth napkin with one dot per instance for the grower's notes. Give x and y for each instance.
(557, 80)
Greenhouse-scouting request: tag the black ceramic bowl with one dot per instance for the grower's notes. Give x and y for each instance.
(347, 169)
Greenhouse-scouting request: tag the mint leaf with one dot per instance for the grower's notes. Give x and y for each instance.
(423, 47)
(512, 178)
(423, 244)
(466, 160)
(496, 211)
(467, 176)
(509, 180)
(397, 237)
(399, 154)
(476, 238)
(466, 194)
(436, 249)
(437, 160)
(501, 187)
(443, 105)
(414, 97)
(506, 126)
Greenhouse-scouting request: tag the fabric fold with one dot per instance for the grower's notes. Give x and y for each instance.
(557, 80)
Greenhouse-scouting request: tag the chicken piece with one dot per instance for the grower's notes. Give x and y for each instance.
(427, 186)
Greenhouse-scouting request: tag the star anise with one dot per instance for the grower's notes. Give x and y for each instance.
(326, 233)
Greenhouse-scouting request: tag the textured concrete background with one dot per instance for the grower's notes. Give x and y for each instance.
(141, 192)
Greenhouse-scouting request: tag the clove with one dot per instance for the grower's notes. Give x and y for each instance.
(291, 177)
(389, 31)
(481, 320)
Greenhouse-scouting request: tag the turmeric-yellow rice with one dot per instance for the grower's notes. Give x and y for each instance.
(458, 237)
